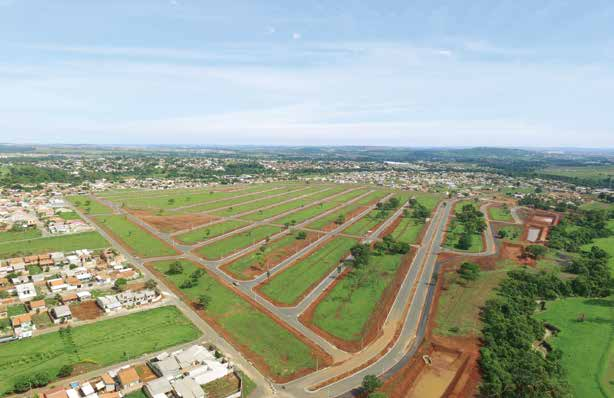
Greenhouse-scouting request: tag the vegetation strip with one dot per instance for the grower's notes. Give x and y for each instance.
(63, 243)
(225, 247)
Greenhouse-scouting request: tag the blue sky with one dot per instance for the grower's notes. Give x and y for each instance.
(406, 73)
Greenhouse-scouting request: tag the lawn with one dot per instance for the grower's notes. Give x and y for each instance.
(95, 345)
(408, 230)
(347, 210)
(289, 285)
(69, 215)
(345, 311)
(375, 217)
(29, 233)
(231, 201)
(301, 216)
(427, 199)
(210, 231)
(64, 243)
(282, 352)
(136, 239)
(227, 246)
(606, 244)
(248, 207)
(455, 229)
(588, 346)
(256, 262)
(88, 205)
(460, 302)
(500, 214)
(513, 232)
(16, 309)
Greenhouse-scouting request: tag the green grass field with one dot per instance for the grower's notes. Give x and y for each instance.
(69, 215)
(231, 201)
(427, 199)
(29, 233)
(290, 284)
(593, 172)
(408, 230)
(344, 312)
(513, 232)
(300, 216)
(85, 240)
(231, 244)
(95, 345)
(588, 346)
(606, 244)
(460, 303)
(275, 252)
(88, 205)
(455, 230)
(500, 214)
(141, 242)
(248, 207)
(210, 231)
(369, 222)
(345, 211)
(170, 200)
(281, 351)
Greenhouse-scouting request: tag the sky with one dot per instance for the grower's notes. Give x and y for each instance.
(345, 72)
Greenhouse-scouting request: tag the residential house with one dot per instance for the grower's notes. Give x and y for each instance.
(108, 303)
(37, 306)
(57, 285)
(58, 392)
(129, 380)
(22, 325)
(25, 292)
(61, 314)
(109, 382)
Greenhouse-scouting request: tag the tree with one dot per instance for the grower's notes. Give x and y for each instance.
(22, 384)
(65, 371)
(40, 379)
(370, 383)
(469, 271)
(151, 284)
(464, 241)
(361, 253)
(340, 219)
(502, 233)
(175, 268)
(301, 235)
(204, 301)
(535, 251)
(120, 284)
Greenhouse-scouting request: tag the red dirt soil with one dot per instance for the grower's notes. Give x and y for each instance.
(272, 259)
(86, 310)
(173, 223)
(324, 359)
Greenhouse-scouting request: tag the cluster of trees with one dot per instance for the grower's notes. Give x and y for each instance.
(545, 203)
(192, 280)
(27, 382)
(510, 366)
(472, 221)
(419, 211)
(391, 246)
(390, 204)
(579, 228)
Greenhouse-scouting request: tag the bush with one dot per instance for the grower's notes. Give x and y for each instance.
(370, 383)
(65, 371)
(469, 271)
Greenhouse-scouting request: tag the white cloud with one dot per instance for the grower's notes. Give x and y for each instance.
(296, 36)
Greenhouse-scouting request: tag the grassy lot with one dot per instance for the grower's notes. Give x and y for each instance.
(95, 345)
(243, 208)
(281, 351)
(345, 211)
(500, 214)
(592, 173)
(461, 203)
(231, 201)
(29, 233)
(69, 215)
(274, 252)
(289, 285)
(374, 218)
(455, 230)
(408, 230)
(88, 205)
(16, 309)
(588, 346)
(141, 242)
(458, 310)
(427, 199)
(224, 247)
(136, 394)
(606, 244)
(344, 312)
(210, 231)
(513, 232)
(594, 205)
(302, 215)
(86, 240)
(170, 200)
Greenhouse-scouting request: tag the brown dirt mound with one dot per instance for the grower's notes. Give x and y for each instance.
(173, 223)
(86, 310)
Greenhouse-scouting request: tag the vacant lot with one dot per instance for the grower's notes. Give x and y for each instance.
(460, 302)
(210, 231)
(86, 240)
(268, 256)
(408, 230)
(136, 239)
(262, 339)
(305, 214)
(88, 205)
(289, 285)
(592, 173)
(455, 230)
(347, 211)
(29, 233)
(95, 345)
(344, 312)
(227, 246)
(512, 232)
(500, 214)
(238, 198)
(588, 346)
(249, 207)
